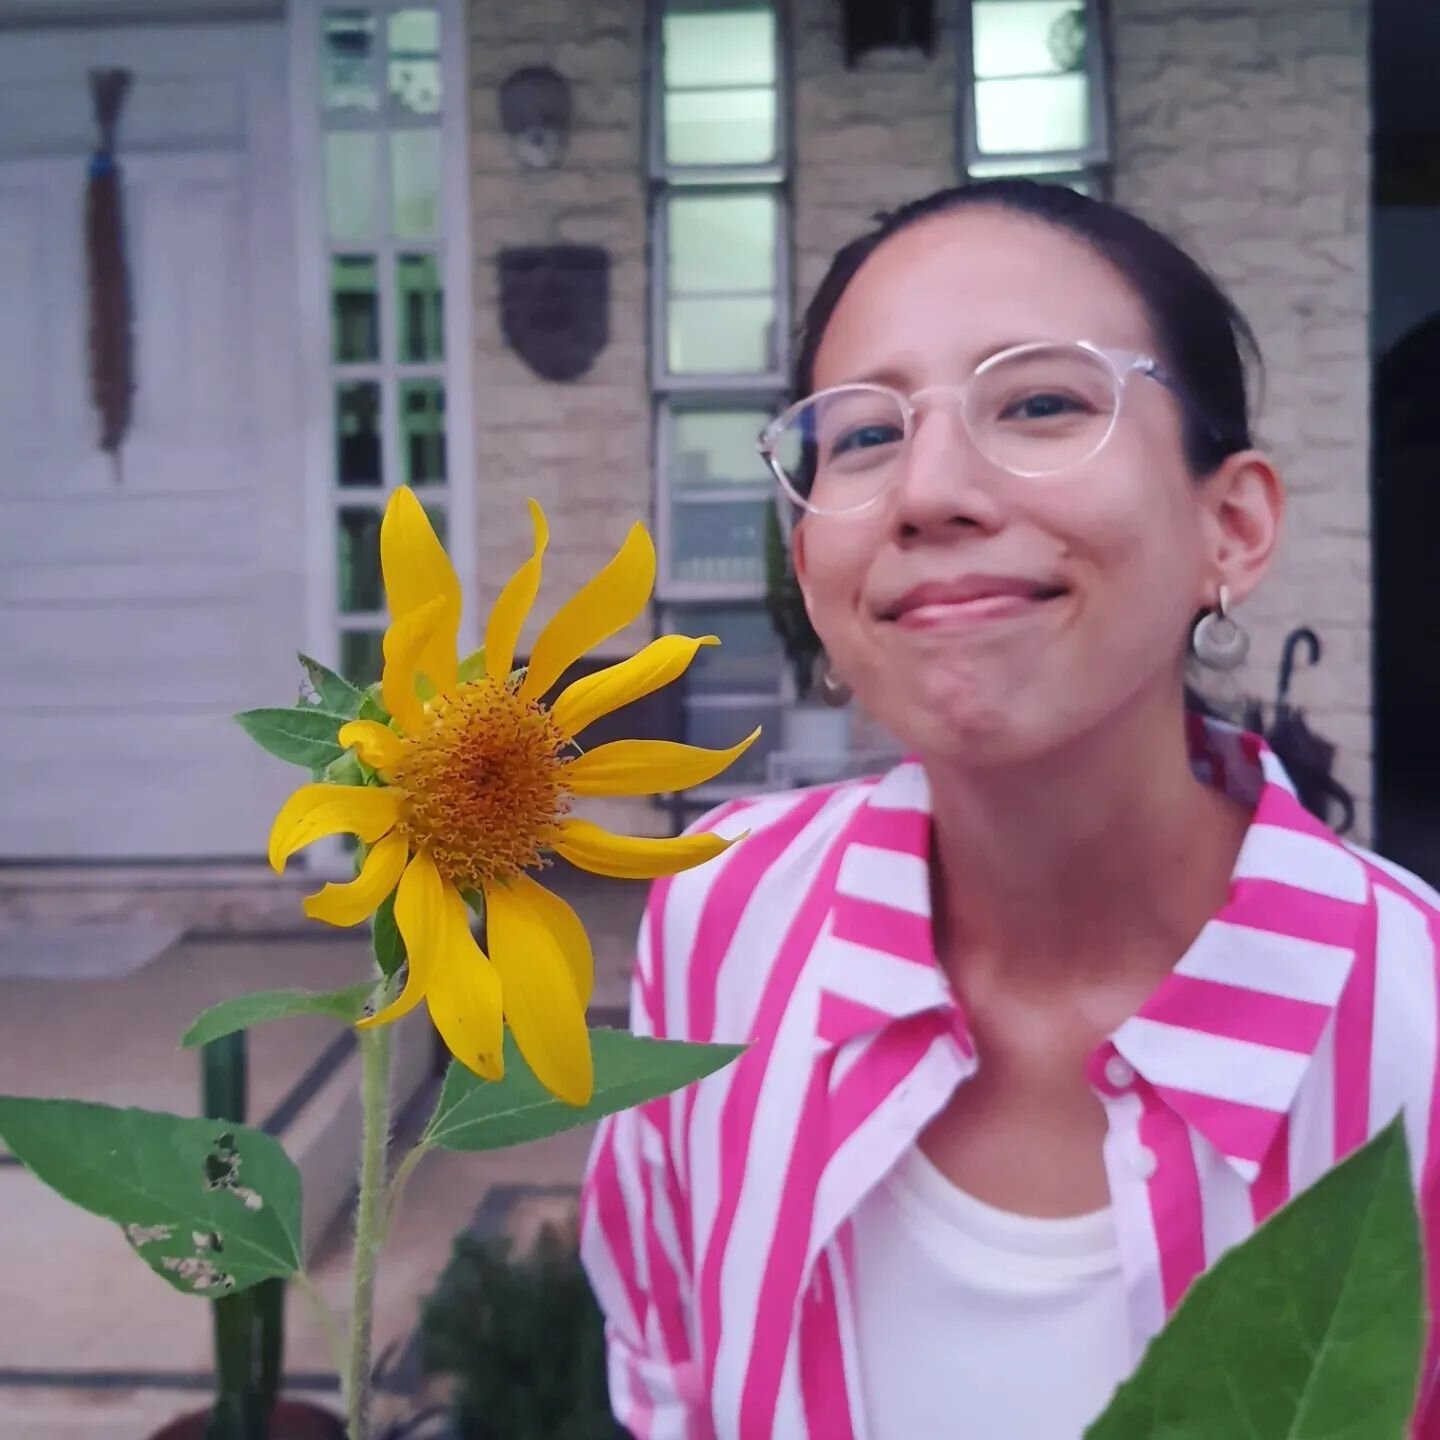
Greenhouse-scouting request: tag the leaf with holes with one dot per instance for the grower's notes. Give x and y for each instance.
(301, 735)
(1310, 1330)
(243, 1011)
(475, 1114)
(334, 693)
(211, 1206)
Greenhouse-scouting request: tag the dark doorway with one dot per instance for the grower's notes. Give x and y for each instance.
(1405, 260)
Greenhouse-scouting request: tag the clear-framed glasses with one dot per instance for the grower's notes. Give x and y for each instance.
(1037, 410)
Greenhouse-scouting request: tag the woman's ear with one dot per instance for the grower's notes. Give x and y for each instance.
(1245, 506)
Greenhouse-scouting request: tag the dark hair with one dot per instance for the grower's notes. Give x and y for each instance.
(1206, 345)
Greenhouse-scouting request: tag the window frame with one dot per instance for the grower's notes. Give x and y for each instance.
(1088, 161)
(673, 393)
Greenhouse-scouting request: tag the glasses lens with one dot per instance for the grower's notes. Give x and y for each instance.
(1044, 410)
(838, 450)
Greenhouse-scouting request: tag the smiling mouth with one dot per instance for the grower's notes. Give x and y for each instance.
(969, 609)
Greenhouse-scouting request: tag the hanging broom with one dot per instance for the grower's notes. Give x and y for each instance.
(112, 379)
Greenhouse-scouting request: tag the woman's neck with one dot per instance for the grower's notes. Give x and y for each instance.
(1100, 864)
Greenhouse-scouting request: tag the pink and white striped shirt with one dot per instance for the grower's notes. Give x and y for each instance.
(715, 1224)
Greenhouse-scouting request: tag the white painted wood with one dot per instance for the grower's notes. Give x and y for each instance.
(136, 616)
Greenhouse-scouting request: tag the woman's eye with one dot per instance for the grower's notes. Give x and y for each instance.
(866, 437)
(1043, 405)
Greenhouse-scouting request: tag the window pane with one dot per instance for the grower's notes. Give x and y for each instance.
(358, 562)
(1024, 115)
(721, 244)
(357, 433)
(747, 659)
(715, 447)
(735, 47)
(720, 726)
(361, 656)
(720, 127)
(1028, 37)
(351, 184)
(420, 305)
(347, 65)
(414, 60)
(422, 432)
(719, 541)
(722, 337)
(440, 522)
(354, 309)
(415, 182)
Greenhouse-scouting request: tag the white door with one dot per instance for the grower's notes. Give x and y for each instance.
(139, 611)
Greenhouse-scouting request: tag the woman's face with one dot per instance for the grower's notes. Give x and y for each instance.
(1102, 568)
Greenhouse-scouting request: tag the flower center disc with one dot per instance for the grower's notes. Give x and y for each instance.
(484, 784)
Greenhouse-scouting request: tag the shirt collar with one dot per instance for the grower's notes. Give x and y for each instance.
(1226, 1039)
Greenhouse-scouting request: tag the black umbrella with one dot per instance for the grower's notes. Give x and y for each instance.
(1308, 757)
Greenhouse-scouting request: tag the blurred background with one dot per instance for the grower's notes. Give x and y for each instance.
(495, 249)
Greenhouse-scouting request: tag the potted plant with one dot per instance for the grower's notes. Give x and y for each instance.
(810, 725)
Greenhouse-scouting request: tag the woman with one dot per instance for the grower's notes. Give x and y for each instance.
(1045, 1019)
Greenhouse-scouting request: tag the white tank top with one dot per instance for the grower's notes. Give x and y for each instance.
(976, 1324)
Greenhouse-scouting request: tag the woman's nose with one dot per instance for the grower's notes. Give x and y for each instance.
(944, 478)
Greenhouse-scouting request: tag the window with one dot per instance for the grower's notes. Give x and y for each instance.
(721, 307)
(380, 135)
(1036, 101)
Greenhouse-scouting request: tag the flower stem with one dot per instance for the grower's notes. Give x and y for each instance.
(369, 1222)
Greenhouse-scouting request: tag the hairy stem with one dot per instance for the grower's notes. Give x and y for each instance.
(369, 1222)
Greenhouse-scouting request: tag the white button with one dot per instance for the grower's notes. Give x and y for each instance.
(1119, 1072)
(1143, 1162)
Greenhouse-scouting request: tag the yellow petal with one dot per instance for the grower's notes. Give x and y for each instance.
(541, 1001)
(592, 696)
(567, 928)
(465, 997)
(420, 917)
(405, 642)
(357, 901)
(502, 633)
(314, 811)
(634, 857)
(376, 744)
(418, 571)
(608, 603)
(649, 767)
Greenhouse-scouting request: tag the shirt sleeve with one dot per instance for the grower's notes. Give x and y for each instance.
(631, 1223)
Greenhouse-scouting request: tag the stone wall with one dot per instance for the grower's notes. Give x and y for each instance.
(1244, 130)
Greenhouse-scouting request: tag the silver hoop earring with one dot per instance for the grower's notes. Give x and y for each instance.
(1219, 642)
(833, 690)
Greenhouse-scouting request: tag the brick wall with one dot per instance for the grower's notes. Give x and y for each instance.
(1244, 129)
(581, 448)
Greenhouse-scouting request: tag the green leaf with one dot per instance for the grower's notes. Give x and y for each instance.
(385, 938)
(472, 667)
(372, 705)
(347, 770)
(475, 1114)
(211, 1206)
(1310, 1330)
(301, 735)
(336, 693)
(240, 1013)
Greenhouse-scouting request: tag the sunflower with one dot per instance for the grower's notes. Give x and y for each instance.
(473, 780)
